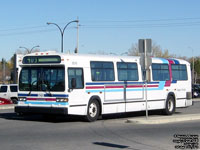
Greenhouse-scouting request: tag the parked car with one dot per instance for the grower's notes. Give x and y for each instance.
(8, 92)
(4, 101)
(195, 90)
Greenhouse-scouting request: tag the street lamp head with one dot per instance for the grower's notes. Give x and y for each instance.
(62, 30)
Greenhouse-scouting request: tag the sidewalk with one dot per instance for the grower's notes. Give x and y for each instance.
(196, 99)
(164, 119)
(8, 106)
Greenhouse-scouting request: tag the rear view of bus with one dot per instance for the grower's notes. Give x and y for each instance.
(42, 84)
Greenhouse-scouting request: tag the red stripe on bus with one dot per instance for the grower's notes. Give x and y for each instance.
(94, 87)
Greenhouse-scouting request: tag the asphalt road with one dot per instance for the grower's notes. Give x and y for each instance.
(36, 132)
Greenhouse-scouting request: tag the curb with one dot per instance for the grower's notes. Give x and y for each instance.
(195, 99)
(165, 119)
(8, 106)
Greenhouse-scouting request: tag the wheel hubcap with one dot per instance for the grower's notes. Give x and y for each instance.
(93, 109)
(170, 105)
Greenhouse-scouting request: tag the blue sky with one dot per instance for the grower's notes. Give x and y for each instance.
(110, 26)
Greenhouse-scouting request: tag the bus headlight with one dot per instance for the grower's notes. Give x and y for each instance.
(22, 99)
(62, 100)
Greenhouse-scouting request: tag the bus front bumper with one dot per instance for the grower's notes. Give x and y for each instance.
(42, 110)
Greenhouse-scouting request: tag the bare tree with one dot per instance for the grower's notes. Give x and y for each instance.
(134, 51)
(156, 51)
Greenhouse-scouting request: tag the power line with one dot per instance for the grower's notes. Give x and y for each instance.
(147, 20)
(30, 32)
(106, 21)
(122, 24)
(142, 25)
(22, 28)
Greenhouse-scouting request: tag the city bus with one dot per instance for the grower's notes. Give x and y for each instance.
(94, 85)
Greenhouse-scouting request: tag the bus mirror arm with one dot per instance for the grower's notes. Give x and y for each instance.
(73, 84)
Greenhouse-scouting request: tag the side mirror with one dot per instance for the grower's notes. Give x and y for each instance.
(73, 83)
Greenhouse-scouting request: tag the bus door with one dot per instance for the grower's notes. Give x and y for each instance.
(76, 89)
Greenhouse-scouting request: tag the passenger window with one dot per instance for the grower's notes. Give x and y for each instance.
(127, 71)
(13, 88)
(179, 72)
(160, 72)
(102, 71)
(77, 74)
(3, 89)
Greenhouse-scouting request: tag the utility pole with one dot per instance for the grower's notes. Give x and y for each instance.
(15, 69)
(77, 46)
(4, 70)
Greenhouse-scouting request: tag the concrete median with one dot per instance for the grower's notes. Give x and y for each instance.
(164, 119)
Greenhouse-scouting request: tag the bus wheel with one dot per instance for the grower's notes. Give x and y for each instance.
(14, 100)
(170, 106)
(93, 111)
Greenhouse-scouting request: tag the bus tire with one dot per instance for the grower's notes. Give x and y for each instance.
(93, 111)
(14, 100)
(170, 105)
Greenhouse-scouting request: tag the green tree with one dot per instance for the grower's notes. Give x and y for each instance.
(196, 68)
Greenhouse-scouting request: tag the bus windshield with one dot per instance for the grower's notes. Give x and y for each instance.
(42, 78)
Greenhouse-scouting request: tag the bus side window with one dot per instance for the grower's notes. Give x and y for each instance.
(77, 75)
(179, 72)
(127, 71)
(102, 71)
(160, 72)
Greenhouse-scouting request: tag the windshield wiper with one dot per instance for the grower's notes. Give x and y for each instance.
(31, 87)
(45, 86)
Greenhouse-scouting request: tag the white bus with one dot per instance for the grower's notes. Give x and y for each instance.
(93, 85)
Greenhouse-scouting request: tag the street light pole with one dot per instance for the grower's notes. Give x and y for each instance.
(33, 48)
(77, 46)
(29, 51)
(62, 31)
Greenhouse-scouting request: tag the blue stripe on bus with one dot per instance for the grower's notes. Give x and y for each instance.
(176, 61)
(165, 61)
(174, 81)
(46, 103)
(19, 94)
(161, 85)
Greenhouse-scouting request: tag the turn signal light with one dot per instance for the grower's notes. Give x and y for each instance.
(62, 100)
